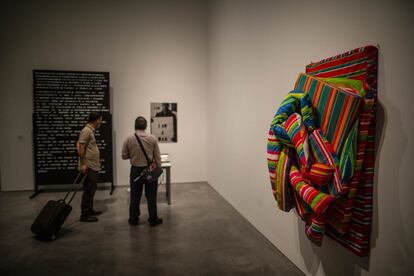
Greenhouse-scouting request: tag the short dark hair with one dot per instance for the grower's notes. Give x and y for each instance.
(140, 123)
(93, 116)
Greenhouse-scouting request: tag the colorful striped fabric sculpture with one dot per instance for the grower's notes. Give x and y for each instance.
(301, 175)
(320, 148)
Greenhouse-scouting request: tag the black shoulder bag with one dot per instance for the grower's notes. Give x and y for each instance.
(152, 173)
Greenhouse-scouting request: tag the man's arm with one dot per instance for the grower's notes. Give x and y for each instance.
(81, 147)
(157, 155)
(125, 151)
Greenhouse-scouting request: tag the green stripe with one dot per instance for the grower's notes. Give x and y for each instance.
(312, 88)
(335, 115)
(320, 196)
(301, 82)
(321, 106)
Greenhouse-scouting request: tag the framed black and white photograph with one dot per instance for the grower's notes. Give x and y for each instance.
(164, 122)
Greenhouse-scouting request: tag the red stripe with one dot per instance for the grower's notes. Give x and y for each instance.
(336, 62)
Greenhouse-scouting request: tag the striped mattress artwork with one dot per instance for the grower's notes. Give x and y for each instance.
(335, 108)
(321, 148)
(349, 218)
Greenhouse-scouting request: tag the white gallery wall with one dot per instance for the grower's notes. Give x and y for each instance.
(256, 50)
(155, 51)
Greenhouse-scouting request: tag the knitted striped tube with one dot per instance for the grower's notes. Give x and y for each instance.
(283, 196)
(299, 137)
(324, 154)
(318, 174)
(315, 229)
(316, 199)
(278, 138)
(296, 99)
(273, 151)
(293, 133)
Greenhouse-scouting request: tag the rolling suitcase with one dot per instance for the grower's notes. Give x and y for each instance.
(51, 218)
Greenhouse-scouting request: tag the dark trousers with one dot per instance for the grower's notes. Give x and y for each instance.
(136, 193)
(89, 189)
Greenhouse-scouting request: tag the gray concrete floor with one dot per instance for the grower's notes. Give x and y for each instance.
(202, 234)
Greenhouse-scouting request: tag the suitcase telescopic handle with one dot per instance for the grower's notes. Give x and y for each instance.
(73, 187)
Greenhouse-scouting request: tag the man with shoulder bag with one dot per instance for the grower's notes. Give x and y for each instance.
(143, 152)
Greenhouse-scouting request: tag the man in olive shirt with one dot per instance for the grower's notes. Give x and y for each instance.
(89, 163)
(132, 150)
